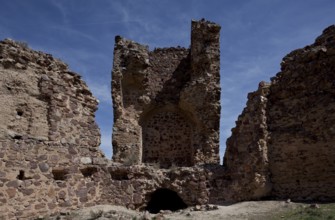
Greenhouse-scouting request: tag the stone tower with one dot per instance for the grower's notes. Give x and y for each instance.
(167, 101)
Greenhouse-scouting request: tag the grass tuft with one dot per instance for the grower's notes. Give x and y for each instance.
(306, 212)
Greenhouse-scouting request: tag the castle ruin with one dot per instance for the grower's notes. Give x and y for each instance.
(166, 130)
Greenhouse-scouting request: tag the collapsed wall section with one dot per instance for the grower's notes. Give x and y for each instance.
(301, 119)
(167, 101)
(246, 157)
(287, 139)
(48, 135)
(44, 101)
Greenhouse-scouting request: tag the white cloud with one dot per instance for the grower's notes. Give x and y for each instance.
(101, 91)
(66, 30)
(106, 145)
(62, 9)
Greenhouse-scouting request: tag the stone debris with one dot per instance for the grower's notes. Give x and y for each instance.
(206, 207)
(314, 206)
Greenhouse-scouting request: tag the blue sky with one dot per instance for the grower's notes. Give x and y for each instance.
(255, 35)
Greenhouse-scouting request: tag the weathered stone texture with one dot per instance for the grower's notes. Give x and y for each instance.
(42, 100)
(286, 135)
(134, 185)
(167, 101)
(166, 131)
(301, 121)
(49, 158)
(246, 156)
(47, 125)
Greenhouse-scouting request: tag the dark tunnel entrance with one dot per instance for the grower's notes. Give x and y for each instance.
(165, 199)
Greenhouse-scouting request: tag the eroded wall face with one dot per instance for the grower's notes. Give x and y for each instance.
(285, 137)
(42, 100)
(246, 156)
(23, 112)
(47, 135)
(167, 101)
(301, 120)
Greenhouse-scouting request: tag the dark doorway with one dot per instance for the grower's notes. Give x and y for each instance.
(165, 199)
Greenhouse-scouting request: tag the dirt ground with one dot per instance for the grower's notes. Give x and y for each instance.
(243, 210)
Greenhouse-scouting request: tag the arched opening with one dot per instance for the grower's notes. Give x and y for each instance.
(165, 199)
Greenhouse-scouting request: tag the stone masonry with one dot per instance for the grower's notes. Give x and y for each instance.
(167, 101)
(47, 133)
(283, 143)
(49, 158)
(246, 156)
(166, 130)
(301, 121)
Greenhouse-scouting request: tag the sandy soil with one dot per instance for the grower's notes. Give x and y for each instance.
(244, 210)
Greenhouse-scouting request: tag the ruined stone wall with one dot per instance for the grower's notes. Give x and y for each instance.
(42, 100)
(133, 186)
(166, 119)
(246, 156)
(49, 158)
(301, 121)
(167, 101)
(166, 130)
(48, 136)
(285, 136)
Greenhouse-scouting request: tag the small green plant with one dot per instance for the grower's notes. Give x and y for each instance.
(96, 214)
(70, 216)
(324, 211)
(173, 167)
(131, 160)
(22, 44)
(155, 165)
